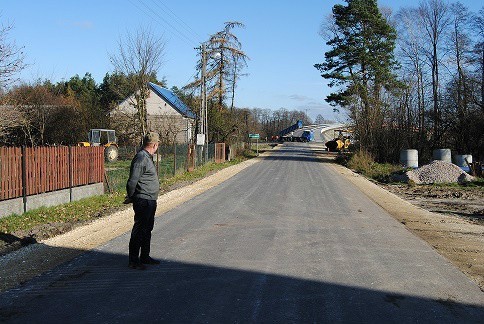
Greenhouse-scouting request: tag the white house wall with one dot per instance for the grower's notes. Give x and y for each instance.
(155, 106)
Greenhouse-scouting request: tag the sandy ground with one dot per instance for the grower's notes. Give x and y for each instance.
(459, 239)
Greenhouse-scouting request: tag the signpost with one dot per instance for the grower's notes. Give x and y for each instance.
(200, 139)
(255, 136)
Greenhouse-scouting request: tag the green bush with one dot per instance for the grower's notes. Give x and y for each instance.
(362, 162)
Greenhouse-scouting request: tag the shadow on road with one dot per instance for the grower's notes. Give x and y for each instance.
(99, 287)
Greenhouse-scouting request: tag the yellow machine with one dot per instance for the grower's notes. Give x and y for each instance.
(106, 138)
(340, 142)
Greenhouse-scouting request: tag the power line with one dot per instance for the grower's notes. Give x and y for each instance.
(146, 9)
(169, 24)
(182, 23)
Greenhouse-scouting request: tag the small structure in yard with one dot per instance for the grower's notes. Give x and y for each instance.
(166, 114)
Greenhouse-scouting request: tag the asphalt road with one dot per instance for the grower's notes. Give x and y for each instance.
(285, 240)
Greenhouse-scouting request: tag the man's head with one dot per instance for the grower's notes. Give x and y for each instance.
(151, 141)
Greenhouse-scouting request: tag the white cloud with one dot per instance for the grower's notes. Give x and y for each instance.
(299, 97)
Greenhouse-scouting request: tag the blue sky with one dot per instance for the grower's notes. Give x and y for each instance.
(63, 38)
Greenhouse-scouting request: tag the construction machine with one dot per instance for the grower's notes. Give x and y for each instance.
(341, 141)
(106, 138)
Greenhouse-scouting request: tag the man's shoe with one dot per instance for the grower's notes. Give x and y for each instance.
(150, 260)
(137, 266)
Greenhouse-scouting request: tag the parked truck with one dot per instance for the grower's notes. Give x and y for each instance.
(287, 133)
(294, 133)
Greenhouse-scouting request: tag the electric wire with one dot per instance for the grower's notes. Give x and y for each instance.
(166, 23)
(153, 15)
(181, 22)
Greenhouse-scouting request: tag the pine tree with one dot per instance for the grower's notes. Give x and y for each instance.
(360, 65)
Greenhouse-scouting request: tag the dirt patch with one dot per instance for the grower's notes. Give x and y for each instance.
(454, 225)
(465, 202)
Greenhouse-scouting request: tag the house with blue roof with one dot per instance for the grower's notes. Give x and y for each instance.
(166, 114)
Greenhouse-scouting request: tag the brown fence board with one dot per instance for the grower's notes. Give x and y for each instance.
(10, 172)
(47, 169)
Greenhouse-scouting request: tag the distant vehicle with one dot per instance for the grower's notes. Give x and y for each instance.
(106, 138)
(287, 133)
(307, 136)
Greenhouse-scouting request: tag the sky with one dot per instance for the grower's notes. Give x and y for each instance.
(62, 38)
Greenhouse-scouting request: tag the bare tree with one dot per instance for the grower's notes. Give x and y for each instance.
(139, 55)
(11, 58)
(11, 119)
(434, 15)
(460, 46)
(169, 127)
(478, 24)
(225, 61)
(43, 116)
(411, 43)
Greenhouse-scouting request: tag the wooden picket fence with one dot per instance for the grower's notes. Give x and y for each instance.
(34, 170)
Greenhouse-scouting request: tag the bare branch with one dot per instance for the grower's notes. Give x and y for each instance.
(11, 58)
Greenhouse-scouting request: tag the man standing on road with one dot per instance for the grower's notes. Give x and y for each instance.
(142, 188)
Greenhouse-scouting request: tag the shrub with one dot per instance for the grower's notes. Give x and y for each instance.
(362, 162)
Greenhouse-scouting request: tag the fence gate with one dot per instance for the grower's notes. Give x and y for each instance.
(191, 157)
(219, 152)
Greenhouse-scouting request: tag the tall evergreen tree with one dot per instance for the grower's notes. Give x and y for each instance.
(360, 64)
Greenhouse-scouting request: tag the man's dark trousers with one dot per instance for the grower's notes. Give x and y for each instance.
(144, 219)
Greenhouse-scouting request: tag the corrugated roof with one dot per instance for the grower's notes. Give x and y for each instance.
(173, 100)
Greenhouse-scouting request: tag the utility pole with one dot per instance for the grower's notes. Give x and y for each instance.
(203, 116)
(204, 99)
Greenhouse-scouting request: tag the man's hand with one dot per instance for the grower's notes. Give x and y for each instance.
(127, 200)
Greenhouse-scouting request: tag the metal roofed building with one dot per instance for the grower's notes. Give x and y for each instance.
(172, 98)
(166, 114)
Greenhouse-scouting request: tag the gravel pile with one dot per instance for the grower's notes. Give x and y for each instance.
(437, 172)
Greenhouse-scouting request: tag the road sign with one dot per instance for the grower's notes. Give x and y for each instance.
(254, 136)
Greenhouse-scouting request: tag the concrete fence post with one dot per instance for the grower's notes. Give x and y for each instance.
(69, 170)
(24, 178)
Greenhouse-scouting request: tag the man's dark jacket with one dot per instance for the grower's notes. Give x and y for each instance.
(143, 180)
